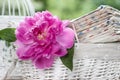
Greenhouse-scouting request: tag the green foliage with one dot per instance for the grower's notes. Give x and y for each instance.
(113, 3)
(8, 34)
(67, 60)
(70, 9)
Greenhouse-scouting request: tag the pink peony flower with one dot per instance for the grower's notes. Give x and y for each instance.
(42, 38)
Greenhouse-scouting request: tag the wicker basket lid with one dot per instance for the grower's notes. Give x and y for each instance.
(101, 25)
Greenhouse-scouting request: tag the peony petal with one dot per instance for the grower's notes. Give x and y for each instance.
(61, 52)
(58, 50)
(43, 62)
(29, 22)
(66, 39)
(21, 34)
(65, 23)
(38, 16)
(56, 27)
(55, 48)
(21, 53)
(25, 51)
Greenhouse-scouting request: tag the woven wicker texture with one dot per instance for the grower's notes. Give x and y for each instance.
(91, 61)
(100, 25)
(8, 56)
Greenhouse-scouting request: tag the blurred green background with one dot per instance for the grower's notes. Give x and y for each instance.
(70, 9)
(64, 9)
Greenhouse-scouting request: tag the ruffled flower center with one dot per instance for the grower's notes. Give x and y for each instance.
(41, 36)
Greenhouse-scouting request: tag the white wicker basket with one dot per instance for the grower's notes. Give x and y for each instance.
(91, 61)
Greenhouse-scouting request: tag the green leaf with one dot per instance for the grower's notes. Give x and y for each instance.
(8, 34)
(67, 60)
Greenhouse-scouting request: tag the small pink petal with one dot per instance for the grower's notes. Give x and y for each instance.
(24, 51)
(58, 50)
(66, 39)
(55, 48)
(38, 16)
(62, 52)
(43, 62)
(30, 21)
(65, 23)
(20, 53)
